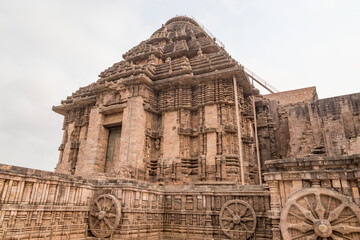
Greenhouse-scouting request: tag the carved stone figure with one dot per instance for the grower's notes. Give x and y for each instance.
(157, 144)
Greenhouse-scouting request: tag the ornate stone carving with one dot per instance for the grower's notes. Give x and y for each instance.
(315, 213)
(105, 214)
(237, 219)
(157, 144)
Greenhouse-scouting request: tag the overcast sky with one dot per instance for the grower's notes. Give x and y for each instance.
(48, 49)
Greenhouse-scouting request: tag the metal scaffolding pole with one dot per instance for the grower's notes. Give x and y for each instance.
(257, 141)
(239, 133)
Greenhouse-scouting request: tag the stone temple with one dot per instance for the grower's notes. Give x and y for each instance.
(174, 142)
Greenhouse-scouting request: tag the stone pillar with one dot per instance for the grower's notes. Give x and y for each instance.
(223, 168)
(2, 188)
(2, 183)
(92, 152)
(131, 157)
(202, 167)
(275, 205)
(20, 191)
(211, 146)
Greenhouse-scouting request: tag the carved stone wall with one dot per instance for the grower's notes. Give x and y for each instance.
(330, 177)
(35, 204)
(325, 127)
(38, 204)
(340, 119)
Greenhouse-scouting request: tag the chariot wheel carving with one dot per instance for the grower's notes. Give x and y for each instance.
(237, 219)
(105, 214)
(319, 213)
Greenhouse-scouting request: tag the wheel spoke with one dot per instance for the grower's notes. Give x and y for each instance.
(329, 204)
(231, 211)
(248, 225)
(112, 215)
(319, 209)
(345, 229)
(97, 205)
(231, 225)
(344, 219)
(108, 223)
(236, 211)
(334, 214)
(106, 203)
(243, 213)
(309, 207)
(247, 213)
(305, 212)
(247, 219)
(311, 237)
(298, 217)
(227, 226)
(246, 228)
(103, 202)
(102, 225)
(112, 204)
(306, 235)
(335, 237)
(302, 227)
(94, 214)
(227, 219)
(96, 222)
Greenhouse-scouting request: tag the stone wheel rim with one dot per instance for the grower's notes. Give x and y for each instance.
(320, 213)
(105, 215)
(237, 219)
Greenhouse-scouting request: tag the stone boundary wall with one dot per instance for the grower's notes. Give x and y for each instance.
(35, 204)
(38, 204)
(293, 96)
(341, 123)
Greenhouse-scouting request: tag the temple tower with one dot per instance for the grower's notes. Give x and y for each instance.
(167, 112)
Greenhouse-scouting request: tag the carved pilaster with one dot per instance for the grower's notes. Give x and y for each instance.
(315, 183)
(218, 167)
(274, 213)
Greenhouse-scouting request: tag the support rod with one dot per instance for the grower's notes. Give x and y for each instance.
(239, 132)
(261, 84)
(257, 141)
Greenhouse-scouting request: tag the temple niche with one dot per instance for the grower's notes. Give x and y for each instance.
(175, 142)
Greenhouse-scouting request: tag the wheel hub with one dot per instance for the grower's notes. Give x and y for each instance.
(323, 228)
(101, 215)
(236, 219)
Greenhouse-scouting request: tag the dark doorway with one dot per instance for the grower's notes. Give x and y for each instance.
(113, 147)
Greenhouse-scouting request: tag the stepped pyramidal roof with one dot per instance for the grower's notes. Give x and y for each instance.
(179, 52)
